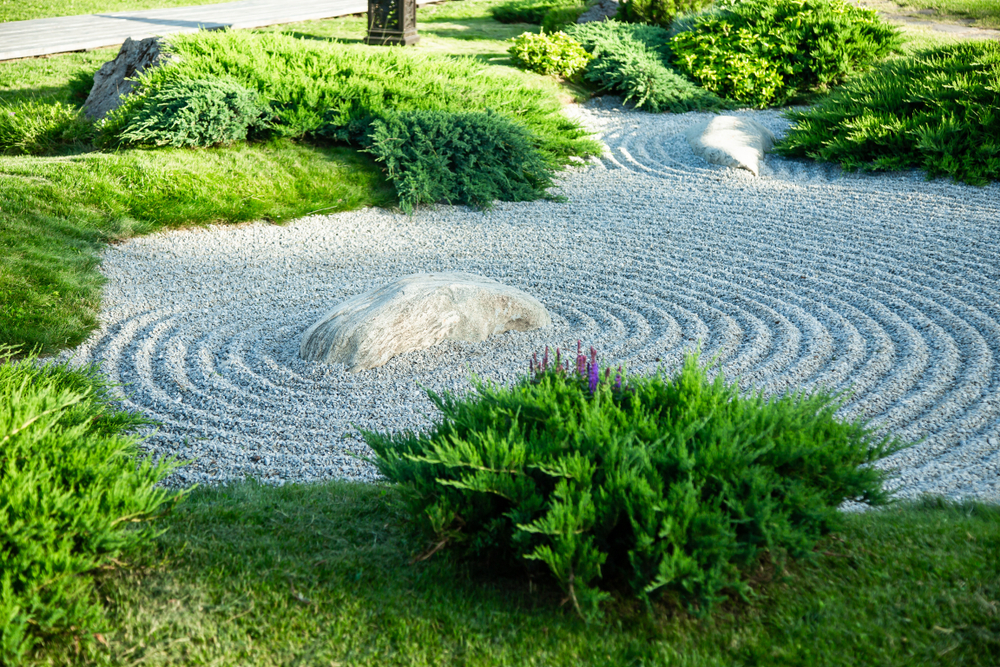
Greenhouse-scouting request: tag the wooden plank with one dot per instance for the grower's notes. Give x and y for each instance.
(39, 37)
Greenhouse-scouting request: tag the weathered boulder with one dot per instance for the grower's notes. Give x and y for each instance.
(599, 11)
(416, 312)
(731, 141)
(113, 80)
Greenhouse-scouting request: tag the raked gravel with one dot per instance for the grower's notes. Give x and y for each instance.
(805, 276)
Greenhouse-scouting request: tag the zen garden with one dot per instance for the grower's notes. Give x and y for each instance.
(501, 332)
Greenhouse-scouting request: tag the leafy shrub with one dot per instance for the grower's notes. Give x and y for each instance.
(657, 12)
(937, 110)
(186, 113)
(767, 52)
(459, 158)
(558, 18)
(660, 485)
(528, 11)
(335, 91)
(72, 500)
(628, 59)
(555, 53)
(43, 128)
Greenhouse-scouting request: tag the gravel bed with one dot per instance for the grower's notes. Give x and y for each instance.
(887, 285)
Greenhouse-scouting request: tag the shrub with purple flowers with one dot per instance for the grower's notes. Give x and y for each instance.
(661, 486)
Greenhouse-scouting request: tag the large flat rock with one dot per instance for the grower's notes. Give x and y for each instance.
(416, 312)
(731, 142)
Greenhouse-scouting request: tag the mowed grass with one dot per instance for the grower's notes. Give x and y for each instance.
(24, 10)
(982, 13)
(325, 575)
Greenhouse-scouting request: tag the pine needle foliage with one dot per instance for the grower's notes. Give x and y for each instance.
(187, 113)
(459, 158)
(657, 12)
(938, 110)
(35, 127)
(631, 60)
(768, 52)
(335, 91)
(663, 486)
(73, 499)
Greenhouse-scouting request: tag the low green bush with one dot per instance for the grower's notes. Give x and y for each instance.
(555, 53)
(559, 18)
(657, 12)
(458, 158)
(73, 500)
(938, 110)
(335, 91)
(629, 60)
(529, 11)
(768, 52)
(187, 113)
(43, 128)
(652, 484)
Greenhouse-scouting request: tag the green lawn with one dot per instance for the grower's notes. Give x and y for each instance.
(324, 575)
(22, 10)
(982, 13)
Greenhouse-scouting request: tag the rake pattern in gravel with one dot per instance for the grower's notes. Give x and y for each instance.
(884, 285)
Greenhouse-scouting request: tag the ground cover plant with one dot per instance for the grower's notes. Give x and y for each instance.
(769, 52)
(658, 12)
(936, 110)
(552, 14)
(632, 60)
(657, 486)
(72, 501)
(549, 53)
(460, 158)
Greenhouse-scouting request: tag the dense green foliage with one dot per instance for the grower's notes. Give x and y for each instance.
(186, 113)
(561, 17)
(662, 486)
(530, 11)
(548, 53)
(458, 158)
(43, 128)
(938, 111)
(657, 12)
(631, 60)
(72, 500)
(336, 91)
(768, 52)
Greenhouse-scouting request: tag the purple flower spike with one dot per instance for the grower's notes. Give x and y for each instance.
(545, 359)
(594, 376)
(618, 379)
(607, 373)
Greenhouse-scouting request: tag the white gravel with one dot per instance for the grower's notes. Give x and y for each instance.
(887, 284)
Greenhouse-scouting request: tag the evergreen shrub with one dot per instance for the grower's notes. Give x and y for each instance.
(561, 17)
(631, 60)
(938, 110)
(555, 53)
(661, 486)
(330, 91)
(73, 500)
(187, 113)
(530, 11)
(43, 128)
(657, 12)
(459, 158)
(768, 52)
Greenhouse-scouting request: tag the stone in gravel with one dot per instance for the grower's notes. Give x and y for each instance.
(731, 142)
(416, 312)
(116, 77)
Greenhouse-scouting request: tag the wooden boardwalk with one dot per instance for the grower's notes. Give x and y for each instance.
(39, 37)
